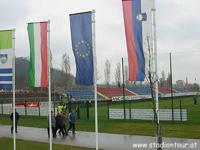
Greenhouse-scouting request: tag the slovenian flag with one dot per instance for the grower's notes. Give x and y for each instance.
(38, 66)
(137, 20)
(6, 58)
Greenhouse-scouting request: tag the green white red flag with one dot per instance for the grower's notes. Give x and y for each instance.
(38, 67)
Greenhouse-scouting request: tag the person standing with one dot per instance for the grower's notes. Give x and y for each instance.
(71, 118)
(60, 108)
(61, 123)
(195, 100)
(16, 121)
(64, 109)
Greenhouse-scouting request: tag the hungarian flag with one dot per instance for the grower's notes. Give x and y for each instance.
(38, 67)
(6, 58)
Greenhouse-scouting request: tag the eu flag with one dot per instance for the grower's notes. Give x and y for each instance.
(81, 35)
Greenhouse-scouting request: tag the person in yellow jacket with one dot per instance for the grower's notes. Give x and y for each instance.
(64, 107)
(60, 108)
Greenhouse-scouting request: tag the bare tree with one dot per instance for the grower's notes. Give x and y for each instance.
(152, 78)
(66, 77)
(118, 74)
(126, 74)
(66, 64)
(162, 79)
(168, 80)
(107, 72)
(163, 75)
(98, 76)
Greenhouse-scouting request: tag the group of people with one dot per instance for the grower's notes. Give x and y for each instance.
(58, 122)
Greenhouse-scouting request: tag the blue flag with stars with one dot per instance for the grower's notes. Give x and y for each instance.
(81, 35)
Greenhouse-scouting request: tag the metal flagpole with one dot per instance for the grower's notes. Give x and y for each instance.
(13, 88)
(49, 84)
(95, 73)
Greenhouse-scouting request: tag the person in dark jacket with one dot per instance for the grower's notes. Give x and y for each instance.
(53, 125)
(195, 100)
(16, 120)
(71, 118)
(61, 123)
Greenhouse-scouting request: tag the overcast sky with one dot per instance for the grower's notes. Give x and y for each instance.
(178, 31)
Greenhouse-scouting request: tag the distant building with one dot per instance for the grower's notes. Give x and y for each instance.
(180, 83)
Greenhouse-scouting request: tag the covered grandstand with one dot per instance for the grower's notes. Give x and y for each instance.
(166, 90)
(107, 93)
(183, 90)
(110, 92)
(82, 94)
(103, 93)
(140, 90)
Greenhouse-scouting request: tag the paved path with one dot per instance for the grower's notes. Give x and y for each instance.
(106, 141)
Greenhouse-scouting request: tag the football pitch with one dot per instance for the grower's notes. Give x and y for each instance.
(187, 129)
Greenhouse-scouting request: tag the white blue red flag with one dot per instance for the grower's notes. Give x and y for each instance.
(135, 17)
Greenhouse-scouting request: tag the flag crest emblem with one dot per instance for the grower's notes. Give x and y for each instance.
(142, 17)
(3, 58)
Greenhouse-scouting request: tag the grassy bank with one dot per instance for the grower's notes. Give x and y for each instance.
(7, 144)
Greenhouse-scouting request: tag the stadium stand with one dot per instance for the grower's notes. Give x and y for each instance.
(82, 94)
(113, 91)
(165, 90)
(181, 90)
(140, 90)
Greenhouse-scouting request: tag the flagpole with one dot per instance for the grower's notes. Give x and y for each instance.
(13, 88)
(95, 78)
(49, 84)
